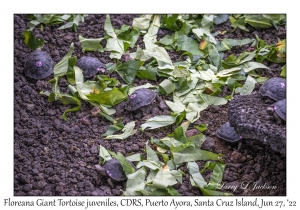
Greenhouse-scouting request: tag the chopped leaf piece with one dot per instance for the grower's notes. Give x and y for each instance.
(61, 68)
(163, 178)
(31, 41)
(219, 19)
(128, 70)
(91, 44)
(142, 23)
(158, 121)
(192, 154)
(201, 127)
(110, 97)
(103, 153)
(248, 87)
(134, 157)
(167, 87)
(135, 182)
(283, 71)
(128, 130)
(197, 178)
(127, 167)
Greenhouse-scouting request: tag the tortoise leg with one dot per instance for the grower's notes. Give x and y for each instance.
(110, 183)
(239, 146)
(277, 118)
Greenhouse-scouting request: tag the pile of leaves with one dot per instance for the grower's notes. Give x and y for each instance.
(156, 177)
(194, 83)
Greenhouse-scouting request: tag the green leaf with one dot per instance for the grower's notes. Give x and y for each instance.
(263, 21)
(213, 100)
(158, 121)
(206, 23)
(91, 45)
(177, 175)
(103, 153)
(129, 36)
(127, 167)
(110, 97)
(170, 22)
(163, 178)
(135, 182)
(197, 139)
(128, 130)
(283, 71)
(147, 85)
(196, 177)
(207, 75)
(201, 127)
(61, 68)
(161, 55)
(176, 107)
(117, 126)
(128, 70)
(147, 72)
(249, 66)
(152, 161)
(214, 56)
(192, 154)
(179, 134)
(115, 45)
(187, 44)
(171, 142)
(248, 87)
(238, 23)
(167, 40)
(167, 87)
(73, 22)
(66, 99)
(217, 175)
(142, 23)
(149, 164)
(134, 157)
(228, 72)
(151, 155)
(227, 44)
(31, 41)
(219, 19)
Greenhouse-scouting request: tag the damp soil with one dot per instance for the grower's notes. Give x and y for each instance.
(53, 157)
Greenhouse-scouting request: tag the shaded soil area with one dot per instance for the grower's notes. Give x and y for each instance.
(53, 157)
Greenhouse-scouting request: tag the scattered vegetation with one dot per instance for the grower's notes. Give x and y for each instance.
(194, 83)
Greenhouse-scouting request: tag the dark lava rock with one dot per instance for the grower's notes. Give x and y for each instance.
(238, 157)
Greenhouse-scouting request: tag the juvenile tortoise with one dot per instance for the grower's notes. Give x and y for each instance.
(278, 111)
(140, 98)
(38, 65)
(90, 66)
(113, 170)
(274, 88)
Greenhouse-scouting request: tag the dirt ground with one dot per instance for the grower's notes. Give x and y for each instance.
(53, 157)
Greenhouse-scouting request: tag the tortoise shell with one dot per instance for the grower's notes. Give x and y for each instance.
(114, 170)
(38, 65)
(280, 108)
(90, 66)
(139, 98)
(227, 133)
(249, 116)
(274, 88)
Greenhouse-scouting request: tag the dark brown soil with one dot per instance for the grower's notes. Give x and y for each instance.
(56, 157)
